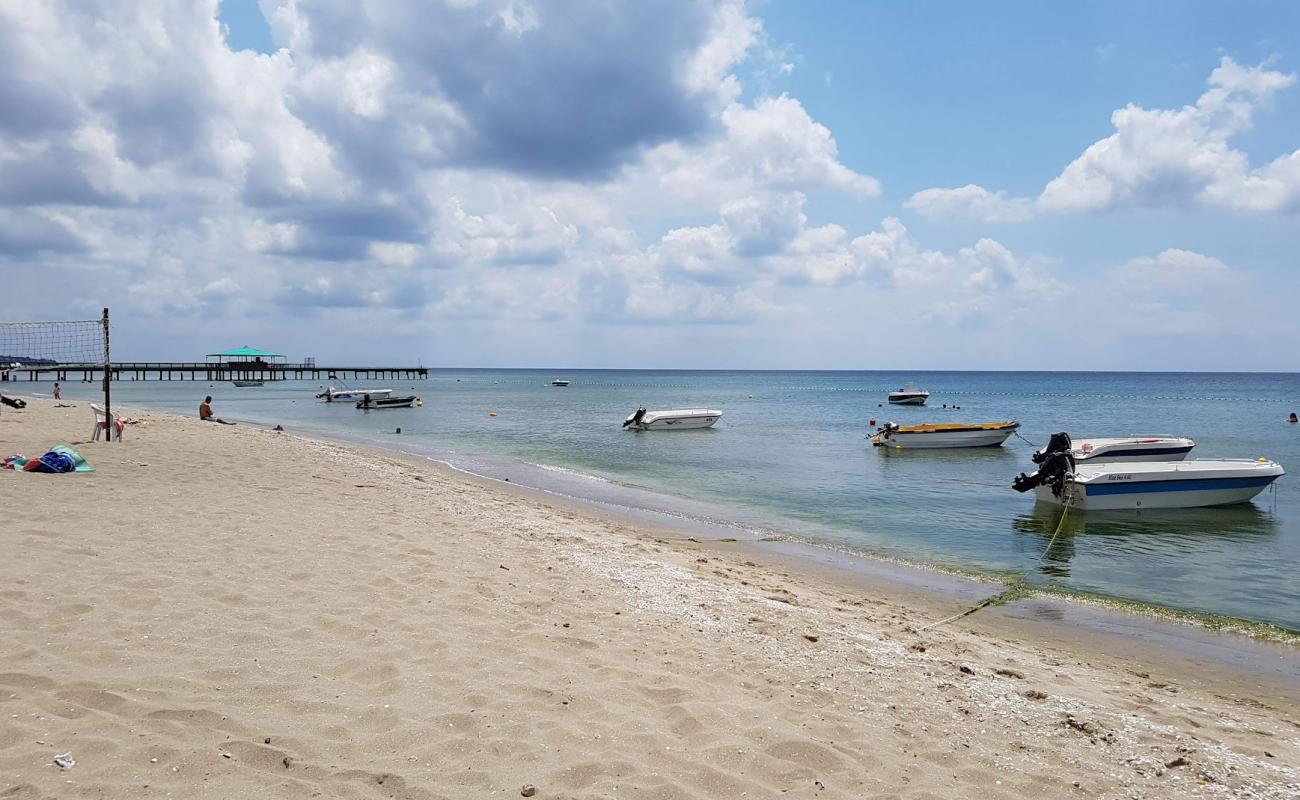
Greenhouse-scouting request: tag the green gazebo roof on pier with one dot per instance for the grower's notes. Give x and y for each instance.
(246, 352)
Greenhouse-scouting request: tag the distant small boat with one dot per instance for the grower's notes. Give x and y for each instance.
(1119, 449)
(1151, 484)
(246, 384)
(675, 420)
(909, 395)
(370, 402)
(331, 394)
(928, 437)
(559, 382)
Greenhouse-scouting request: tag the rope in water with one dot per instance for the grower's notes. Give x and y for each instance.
(1068, 491)
(1013, 586)
(1023, 439)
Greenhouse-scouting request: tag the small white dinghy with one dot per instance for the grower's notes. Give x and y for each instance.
(1150, 484)
(944, 435)
(676, 420)
(1119, 449)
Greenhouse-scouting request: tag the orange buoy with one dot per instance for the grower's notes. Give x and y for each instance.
(492, 413)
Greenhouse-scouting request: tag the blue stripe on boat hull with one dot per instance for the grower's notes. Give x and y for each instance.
(1194, 485)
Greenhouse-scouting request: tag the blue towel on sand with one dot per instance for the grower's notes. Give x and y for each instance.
(56, 462)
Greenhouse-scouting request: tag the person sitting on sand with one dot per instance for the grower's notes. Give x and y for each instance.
(205, 412)
(1292, 419)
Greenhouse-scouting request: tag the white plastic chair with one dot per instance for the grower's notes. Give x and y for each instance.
(103, 423)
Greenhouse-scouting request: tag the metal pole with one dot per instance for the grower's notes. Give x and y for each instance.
(108, 370)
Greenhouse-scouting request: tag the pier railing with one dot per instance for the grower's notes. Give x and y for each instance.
(205, 371)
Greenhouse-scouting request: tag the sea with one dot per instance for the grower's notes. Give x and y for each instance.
(790, 461)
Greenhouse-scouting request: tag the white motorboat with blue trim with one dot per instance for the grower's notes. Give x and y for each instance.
(676, 420)
(1150, 484)
(1119, 449)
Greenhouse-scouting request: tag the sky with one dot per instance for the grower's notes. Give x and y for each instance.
(678, 184)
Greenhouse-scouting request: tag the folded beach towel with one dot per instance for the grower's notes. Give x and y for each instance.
(78, 463)
(56, 462)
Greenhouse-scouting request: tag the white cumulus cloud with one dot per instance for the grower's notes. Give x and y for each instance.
(1157, 158)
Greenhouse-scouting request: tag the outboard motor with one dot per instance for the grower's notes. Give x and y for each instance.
(887, 430)
(1055, 467)
(1059, 443)
(636, 418)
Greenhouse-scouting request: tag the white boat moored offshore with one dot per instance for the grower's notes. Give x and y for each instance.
(559, 382)
(945, 435)
(1150, 484)
(370, 401)
(1119, 449)
(246, 384)
(909, 395)
(331, 394)
(674, 420)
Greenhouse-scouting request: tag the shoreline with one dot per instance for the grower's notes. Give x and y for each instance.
(255, 612)
(712, 511)
(1099, 622)
(1093, 610)
(1184, 630)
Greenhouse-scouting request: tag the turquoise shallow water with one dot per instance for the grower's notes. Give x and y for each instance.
(793, 461)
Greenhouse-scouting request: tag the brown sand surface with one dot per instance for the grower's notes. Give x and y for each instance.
(229, 612)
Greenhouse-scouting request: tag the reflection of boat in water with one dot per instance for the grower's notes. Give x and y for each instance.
(1157, 532)
(1102, 450)
(1133, 531)
(675, 420)
(1151, 484)
(909, 395)
(945, 435)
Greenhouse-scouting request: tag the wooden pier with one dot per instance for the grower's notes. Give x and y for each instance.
(205, 371)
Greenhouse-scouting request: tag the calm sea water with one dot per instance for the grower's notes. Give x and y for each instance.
(789, 458)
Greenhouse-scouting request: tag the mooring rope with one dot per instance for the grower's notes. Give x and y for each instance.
(1015, 586)
(1023, 439)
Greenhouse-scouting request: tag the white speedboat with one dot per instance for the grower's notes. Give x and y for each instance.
(559, 382)
(909, 395)
(1150, 484)
(676, 420)
(332, 394)
(1119, 449)
(951, 434)
(370, 401)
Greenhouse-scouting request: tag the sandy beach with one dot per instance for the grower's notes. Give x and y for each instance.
(235, 612)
